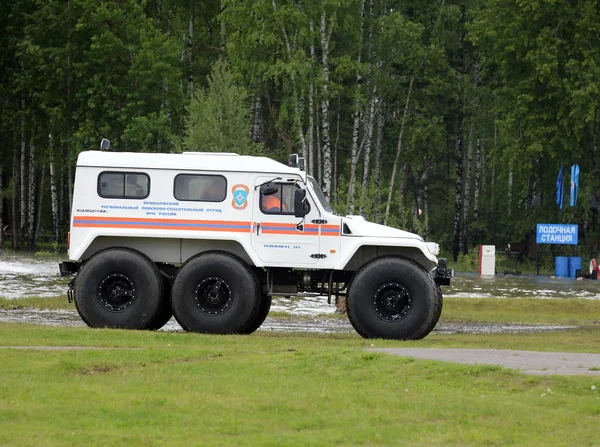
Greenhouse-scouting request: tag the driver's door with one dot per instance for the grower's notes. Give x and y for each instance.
(279, 238)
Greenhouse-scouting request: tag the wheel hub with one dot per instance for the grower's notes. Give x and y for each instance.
(213, 296)
(392, 302)
(116, 292)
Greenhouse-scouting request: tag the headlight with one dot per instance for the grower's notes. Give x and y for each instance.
(433, 247)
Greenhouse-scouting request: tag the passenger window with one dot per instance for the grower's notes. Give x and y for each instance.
(200, 188)
(282, 202)
(123, 185)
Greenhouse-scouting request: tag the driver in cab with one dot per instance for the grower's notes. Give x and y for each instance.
(271, 203)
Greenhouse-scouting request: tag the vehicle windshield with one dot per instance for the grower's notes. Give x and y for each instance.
(320, 195)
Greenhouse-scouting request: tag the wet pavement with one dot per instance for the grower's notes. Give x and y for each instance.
(529, 362)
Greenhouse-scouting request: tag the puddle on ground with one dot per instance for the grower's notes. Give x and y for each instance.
(26, 275)
(70, 318)
(465, 285)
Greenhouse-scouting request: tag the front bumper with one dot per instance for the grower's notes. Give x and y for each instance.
(443, 274)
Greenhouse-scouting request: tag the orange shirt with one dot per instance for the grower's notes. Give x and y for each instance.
(271, 203)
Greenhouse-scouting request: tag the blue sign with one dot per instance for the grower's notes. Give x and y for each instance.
(557, 234)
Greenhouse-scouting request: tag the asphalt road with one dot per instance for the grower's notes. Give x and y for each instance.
(529, 362)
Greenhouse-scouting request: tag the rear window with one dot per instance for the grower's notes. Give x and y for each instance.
(200, 188)
(123, 185)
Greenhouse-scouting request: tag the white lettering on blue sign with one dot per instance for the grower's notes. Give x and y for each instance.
(557, 234)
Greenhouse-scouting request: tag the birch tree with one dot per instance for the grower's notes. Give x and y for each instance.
(53, 188)
(326, 30)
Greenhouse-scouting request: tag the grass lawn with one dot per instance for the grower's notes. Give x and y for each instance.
(152, 388)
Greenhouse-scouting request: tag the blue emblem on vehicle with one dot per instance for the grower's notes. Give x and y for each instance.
(240, 196)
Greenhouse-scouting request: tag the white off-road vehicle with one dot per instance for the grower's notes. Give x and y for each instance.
(211, 237)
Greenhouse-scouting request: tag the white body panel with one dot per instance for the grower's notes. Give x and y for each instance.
(169, 230)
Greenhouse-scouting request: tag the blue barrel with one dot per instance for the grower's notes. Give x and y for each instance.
(574, 265)
(561, 267)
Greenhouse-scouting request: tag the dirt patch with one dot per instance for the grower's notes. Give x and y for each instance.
(529, 362)
(98, 369)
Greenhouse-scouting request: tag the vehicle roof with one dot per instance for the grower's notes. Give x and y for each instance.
(202, 161)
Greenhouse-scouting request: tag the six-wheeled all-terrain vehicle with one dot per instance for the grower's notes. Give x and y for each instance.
(211, 237)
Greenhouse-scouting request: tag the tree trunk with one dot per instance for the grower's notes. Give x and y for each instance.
(356, 126)
(61, 195)
(53, 189)
(326, 147)
(190, 45)
(318, 153)
(370, 117)
(257, 134)
(509, 195)
(426, 211)
(1, 207)
(398, 151)
(15, 195)
(223, 30)
(38, 214)
(310, 160)
(478, 178)
(464, 243)
(31, 195)
(367, 152)
(458, 195)
(334, 162)
(354, 156)
(493, 181)
(295, 99)
(378, 162)
(23, 174)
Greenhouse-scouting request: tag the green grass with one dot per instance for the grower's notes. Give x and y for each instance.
(273, 389)
(522, 310)
(36, 302)
(470, 263)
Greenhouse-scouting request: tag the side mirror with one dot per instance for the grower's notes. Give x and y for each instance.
(301, 163)
(269, 189)
(300, 204)
(293, 160)
(104, 144)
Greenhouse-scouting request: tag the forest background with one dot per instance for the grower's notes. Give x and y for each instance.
(448, 118)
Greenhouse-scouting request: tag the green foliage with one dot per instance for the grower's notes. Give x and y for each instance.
(219, 118)
(524, 76)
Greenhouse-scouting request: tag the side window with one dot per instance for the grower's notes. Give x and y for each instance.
(200, 188)
(123, 185)
(282, 202)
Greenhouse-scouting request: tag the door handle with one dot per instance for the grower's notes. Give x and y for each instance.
(257, 228)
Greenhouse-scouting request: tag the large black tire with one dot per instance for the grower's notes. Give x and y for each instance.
(165, 312)
(437, 311)
(215, 293)
(260, 317)
(118, 288)
(393, 298)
